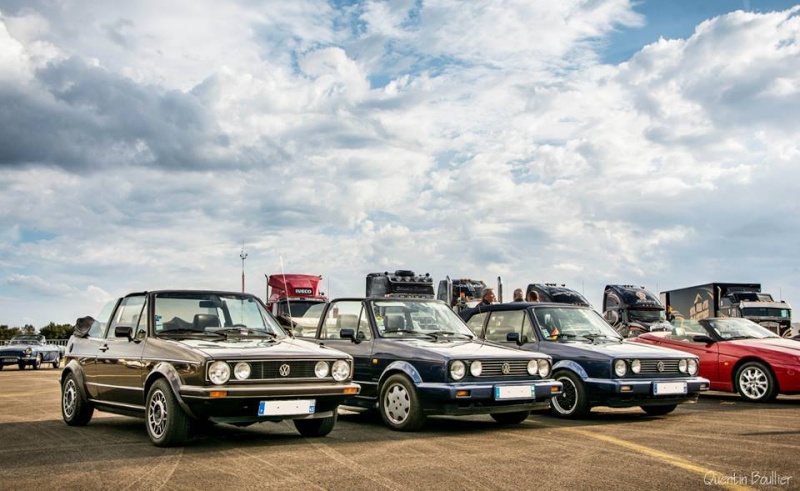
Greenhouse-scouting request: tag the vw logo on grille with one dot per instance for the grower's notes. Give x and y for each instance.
(660, 366)
(506, 368)
(284, 370)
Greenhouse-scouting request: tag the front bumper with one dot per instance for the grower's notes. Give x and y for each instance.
(634, 392)
(460, 399)
(7, 359)
(240, 403)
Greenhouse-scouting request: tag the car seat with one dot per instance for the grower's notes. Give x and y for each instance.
(394, 322)
(202, 321)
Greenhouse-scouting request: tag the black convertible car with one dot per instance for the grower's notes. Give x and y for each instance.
(595, 364)
(415, 358)
(181, 358)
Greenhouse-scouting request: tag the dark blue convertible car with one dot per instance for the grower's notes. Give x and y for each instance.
(415, 357)
(595, 365)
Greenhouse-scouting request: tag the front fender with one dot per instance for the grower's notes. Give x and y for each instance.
(401, 366)
(167, 371)
(571, 366)
(76, 369)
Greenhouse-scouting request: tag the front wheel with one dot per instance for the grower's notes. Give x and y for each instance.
(37, 363)
(755, 383)
(76, 410)
(57, 362)
(316, 427)
(659, 410)
(166, 422)
(399, 404)
(510, 418)
(572, 402)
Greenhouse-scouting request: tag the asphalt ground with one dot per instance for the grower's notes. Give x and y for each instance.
(718, 443)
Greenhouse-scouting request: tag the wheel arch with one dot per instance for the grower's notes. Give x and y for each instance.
(74, 368)
(747, 359)
(572, 366)
(403, 367)
(167, 372)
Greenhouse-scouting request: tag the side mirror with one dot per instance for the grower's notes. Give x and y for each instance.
(348, 334)
(513, 337)
(702, 338)
(123, 332)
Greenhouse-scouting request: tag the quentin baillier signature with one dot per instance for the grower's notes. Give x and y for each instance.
(753, 478)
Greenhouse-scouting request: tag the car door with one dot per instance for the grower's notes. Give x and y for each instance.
(119, 371)
(351, 314)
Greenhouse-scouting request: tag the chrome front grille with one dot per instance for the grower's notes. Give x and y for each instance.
(494, 368)
(660, 367)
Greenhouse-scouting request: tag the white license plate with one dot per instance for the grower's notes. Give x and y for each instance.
(667, 388)
(286, 408)
(515, 392)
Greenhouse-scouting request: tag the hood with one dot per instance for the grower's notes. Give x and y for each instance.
(257, 348)
(774, 345)
(464, 348)
(626, 349)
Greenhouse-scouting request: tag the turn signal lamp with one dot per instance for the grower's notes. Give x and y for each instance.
(462, 393)
(350, 390)
(218, 393)
(626, 388)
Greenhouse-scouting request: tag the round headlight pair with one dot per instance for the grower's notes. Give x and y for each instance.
(620, 368)
(688, 366)
(220, 372)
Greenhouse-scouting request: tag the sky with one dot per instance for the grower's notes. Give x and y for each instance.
(146, 145)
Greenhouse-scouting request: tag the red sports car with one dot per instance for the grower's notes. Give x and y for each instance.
(736, 355)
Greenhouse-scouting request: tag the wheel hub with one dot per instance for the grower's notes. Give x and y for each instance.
(397, 404)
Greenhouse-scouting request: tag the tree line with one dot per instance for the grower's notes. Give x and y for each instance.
(50, 331)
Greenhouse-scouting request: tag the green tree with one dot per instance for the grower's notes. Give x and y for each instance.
(8, 333)
(56, 331)
(28, 329)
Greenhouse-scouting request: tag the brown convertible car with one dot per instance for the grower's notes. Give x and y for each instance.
(181, 358)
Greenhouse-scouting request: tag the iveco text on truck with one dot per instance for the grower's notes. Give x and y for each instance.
(730, 300)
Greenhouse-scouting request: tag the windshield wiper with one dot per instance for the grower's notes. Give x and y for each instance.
(596, 336)
(436, 334)
(184, 331)
(244, 332)
(410, 331)
(739, 337)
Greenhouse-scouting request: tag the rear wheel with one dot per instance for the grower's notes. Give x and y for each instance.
(572, 402)
(37, 363)
(75, 407)
(659, 410)
(510, 418)
(755, 383)
(166, 422)
(21, 366)
(316, 427)
(57, 361)
(399, 404)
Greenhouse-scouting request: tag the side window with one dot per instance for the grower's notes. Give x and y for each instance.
(527, 330)
(503, 322)
(346, 314)
(98, 328)
(475, 323)
(127, 314)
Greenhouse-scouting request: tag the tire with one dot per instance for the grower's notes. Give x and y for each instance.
(167, 424)
(399, 405)
(1, 366)
(37, 363)
(76, 410)
(21, 366)
(316, 427)
(754, 382)
(57, 361)
(572, 402)
(659, 410)
(510, 418)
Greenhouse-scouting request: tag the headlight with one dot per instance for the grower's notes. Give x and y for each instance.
(544, 368)
(692, 366)
(636, 366)
(241, 371)
(533, 367)
(620, 368)
(682, 366)
(321, 369)
(458, 370)
(476, 368)
(28, 351)
(341, 370)
(219, 372)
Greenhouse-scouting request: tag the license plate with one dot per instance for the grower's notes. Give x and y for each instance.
(515, 392)
(286, 408)
(667, 388)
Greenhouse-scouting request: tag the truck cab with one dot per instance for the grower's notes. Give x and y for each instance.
(401, 283)
(295, 300)
(460, 293)
(633, 310)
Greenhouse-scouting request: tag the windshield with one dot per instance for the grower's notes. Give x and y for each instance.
(25, 340)
(400, 317)
(766, 312)
(574, 323)
(648, 316)
(737, 328)
(197, 312)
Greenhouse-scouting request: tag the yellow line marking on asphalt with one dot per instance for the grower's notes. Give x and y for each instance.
(718, 478)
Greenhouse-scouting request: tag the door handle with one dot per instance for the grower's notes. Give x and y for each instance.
(104, 347)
